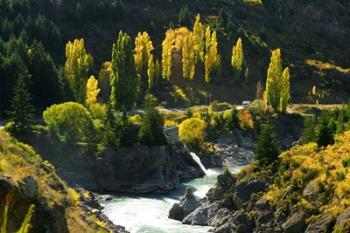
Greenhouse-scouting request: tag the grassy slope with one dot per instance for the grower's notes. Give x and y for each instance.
(18, 161)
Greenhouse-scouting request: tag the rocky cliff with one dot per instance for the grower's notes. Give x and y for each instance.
(136, 169)
(34, 199)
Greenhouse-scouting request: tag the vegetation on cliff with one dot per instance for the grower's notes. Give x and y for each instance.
(35, 197)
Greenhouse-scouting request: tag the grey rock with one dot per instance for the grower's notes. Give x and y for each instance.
(30, 186)
(323, 225)
(344, 218)
(264, 217)
(312, 190)
(188, 203)
(296, 223)
(221, 217)
(203, 215)
(176, 212)
(243, 191)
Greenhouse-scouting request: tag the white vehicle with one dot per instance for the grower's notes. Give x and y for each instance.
(246, 104)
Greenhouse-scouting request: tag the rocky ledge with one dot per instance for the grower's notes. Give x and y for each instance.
(136, 169)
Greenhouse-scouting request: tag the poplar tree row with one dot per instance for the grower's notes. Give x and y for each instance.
(134, 70)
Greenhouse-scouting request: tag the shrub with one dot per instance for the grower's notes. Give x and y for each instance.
(70, 121)
(98, 111)
(151, 132)
(246, 120)
(193, 132)
(231, 120)
(267, 149)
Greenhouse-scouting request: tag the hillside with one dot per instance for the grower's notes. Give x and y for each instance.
(34, 198)
(312, 35)
(307, 192)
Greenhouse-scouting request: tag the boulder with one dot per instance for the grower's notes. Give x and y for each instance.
(176, 212)
(323, 225)
(264, 217)
(296, 223)
(343, 218)
(244, 191)
(30, 186)
(312, 190)
(203, 215)
(188, 203)
(221, 217)
(262, 204)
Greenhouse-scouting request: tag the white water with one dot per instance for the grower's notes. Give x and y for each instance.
(149, 213)
(199, 162)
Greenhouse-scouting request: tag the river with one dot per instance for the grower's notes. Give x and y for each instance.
(149, 213)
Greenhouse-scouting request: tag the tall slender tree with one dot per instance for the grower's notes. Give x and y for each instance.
(123, 76)
(150, 72)
(285, 90)
(237, 59)
(211, 54)
(273, 82)
(77, 68)
(167, 51)
(143, 51)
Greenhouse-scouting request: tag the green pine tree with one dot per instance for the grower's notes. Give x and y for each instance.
(22, 111)
(267, 150)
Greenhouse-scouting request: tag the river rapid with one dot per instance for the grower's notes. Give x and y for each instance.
(149, 213)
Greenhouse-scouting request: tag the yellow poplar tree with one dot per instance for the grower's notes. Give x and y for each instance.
(77, 68)
(189, 57)
(237, 59)
(143, 50)
(92, 91)
(198, 30)
(150, 72)
(211, 56)
(167, 48)
(285, 90)
(273, 82)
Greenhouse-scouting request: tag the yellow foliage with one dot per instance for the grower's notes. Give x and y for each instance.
(193, 131)
(306, 163)
(92, 91)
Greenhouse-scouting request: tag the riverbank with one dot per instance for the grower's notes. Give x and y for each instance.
(149, 213)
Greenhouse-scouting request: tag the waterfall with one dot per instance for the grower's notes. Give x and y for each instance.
(199, 162)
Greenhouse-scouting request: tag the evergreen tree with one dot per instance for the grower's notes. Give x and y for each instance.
(184, 16)
(324, 131)
(267, 150)
(77, 68)
(151, 132)
(237, 60)
(22, 111)
(123, 77)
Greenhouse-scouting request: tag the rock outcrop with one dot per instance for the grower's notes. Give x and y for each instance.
(33, 196)
(136, 169)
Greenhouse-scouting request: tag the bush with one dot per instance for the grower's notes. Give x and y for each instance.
(70, 121)
(98, 111)
(246, 119)
(193, 132)
(267, 149)
(151, 132)
(231, 120)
